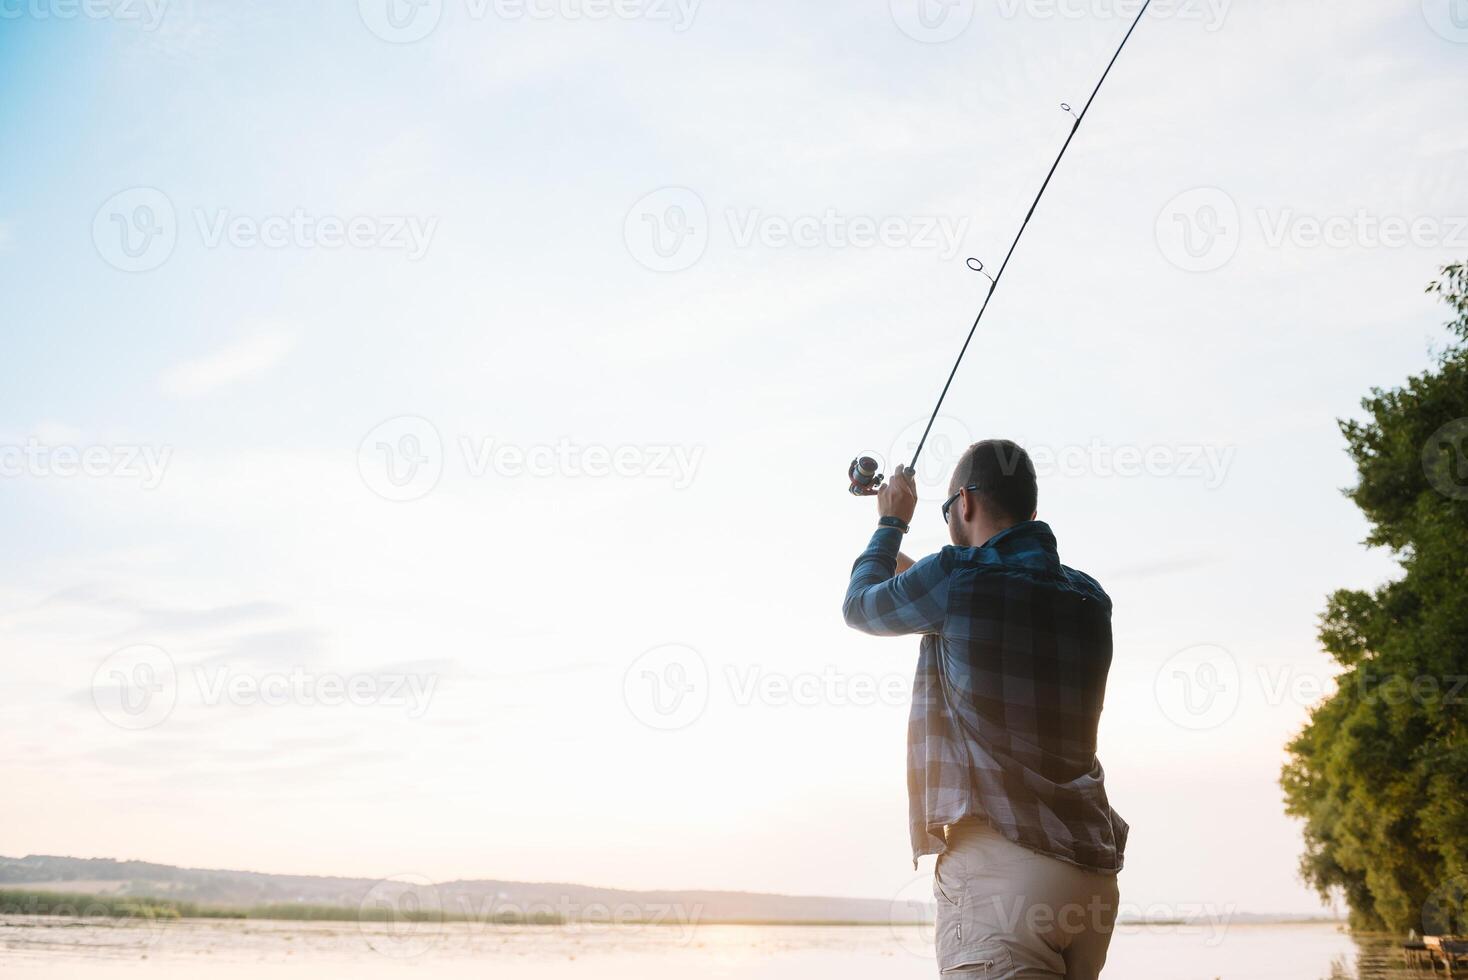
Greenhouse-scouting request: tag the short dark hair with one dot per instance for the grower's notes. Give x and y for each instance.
(1005, 476)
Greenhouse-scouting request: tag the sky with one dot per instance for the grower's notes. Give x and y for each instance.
(424, 427)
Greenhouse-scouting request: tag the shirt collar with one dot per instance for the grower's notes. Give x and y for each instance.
(1026, 536)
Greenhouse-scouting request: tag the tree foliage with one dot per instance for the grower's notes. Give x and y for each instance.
(1380, 773)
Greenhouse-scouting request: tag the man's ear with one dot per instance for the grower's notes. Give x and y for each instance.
(1035, 514)
(970, 503)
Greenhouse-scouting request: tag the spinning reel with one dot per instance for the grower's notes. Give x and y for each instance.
(866, 481)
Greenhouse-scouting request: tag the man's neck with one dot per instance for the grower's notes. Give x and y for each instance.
(982, 532)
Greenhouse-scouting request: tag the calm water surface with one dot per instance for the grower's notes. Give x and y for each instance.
(90, 949)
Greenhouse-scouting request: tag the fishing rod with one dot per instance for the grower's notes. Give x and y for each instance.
(865, 479)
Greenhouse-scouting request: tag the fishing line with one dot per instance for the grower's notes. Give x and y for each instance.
(865, 480)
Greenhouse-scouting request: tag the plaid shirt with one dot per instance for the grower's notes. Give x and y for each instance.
(1010, 680)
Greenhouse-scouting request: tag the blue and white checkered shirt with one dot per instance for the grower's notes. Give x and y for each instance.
(1011, 677)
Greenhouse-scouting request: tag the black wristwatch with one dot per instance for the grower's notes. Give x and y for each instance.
(897, 522)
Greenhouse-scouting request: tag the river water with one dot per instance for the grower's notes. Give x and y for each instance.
(92, 949)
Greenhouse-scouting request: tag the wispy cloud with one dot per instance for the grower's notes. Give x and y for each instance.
(282, 646)
(202, 375)
(156, 619)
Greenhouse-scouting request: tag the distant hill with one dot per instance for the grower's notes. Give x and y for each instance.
(477, 899)
(480, 899)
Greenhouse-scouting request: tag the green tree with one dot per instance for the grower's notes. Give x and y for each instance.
(1380, 773)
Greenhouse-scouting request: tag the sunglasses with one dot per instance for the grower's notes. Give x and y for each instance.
(947, 504)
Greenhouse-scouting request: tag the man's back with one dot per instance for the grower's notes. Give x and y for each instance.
(1016, 677)
(1020, 621)
(1010, 683)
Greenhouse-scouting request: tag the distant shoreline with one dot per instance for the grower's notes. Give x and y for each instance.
(138, 888)
(83, 906)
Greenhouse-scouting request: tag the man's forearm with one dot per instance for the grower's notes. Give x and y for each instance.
(890, 595)
(876, 563)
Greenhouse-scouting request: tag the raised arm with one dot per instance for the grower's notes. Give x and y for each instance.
(889, 595)
(883, 603)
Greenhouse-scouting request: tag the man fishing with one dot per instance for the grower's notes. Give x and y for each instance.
(1002, 775)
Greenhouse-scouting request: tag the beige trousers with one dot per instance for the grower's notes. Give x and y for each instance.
(1006, 912)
